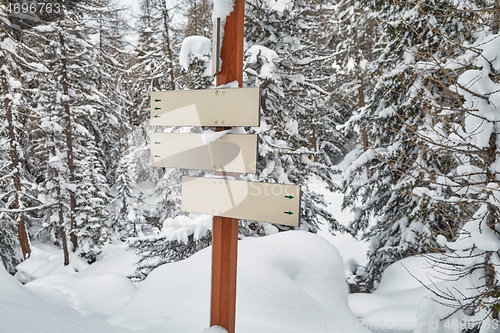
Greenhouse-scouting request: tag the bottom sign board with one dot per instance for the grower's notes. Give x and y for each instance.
(264, 202)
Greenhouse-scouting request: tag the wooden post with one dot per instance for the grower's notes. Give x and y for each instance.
(224, 258)
(225, 230)
(232, 46)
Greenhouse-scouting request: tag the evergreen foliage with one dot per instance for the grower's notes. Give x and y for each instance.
(421, 40)
(289, 61)
(199, 18)
(472, 250)
(154, 251)
(71, 135)
(124, 200)
(14, 179)
(152, 248)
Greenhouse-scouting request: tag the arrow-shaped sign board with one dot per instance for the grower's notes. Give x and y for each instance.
(264, 202)
(230, 152)
(213, 107)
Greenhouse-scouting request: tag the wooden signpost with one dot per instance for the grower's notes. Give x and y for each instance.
(225, 229)
(224, 198)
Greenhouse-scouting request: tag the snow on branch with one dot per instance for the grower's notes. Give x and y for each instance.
(196, 48)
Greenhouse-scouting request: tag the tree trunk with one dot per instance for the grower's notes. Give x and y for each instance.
(167, 46)
(314, 144)
(496, 17)
(60, 212)
(489, 276)
(364, 135)
(16, 177)
(62, 233)
(489, 267)
(69, 144)
(361, 96)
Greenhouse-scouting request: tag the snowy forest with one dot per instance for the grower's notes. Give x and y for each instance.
(394, 105)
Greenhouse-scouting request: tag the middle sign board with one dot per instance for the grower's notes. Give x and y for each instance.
(213, 107)
(229, 153)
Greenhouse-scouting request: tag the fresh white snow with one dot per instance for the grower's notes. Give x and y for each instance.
(287, 282)
(394, 305)
(196, 47)
(222, 9)
(21, 311)
(215, 329)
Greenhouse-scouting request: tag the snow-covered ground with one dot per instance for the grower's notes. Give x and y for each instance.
(287, 282)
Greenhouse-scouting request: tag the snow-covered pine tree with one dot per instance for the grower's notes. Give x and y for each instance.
(413, 89)
(151, 69)
(124, 198)
(12, 173)
(14, 170)
(108, 30)
(195, 63)
(141, 227)
(353, 35)
(152, 65)
(52, 184)
(199, 18)
(92, 200)
(471, 135)
(66, 136)
(10, 249)
(288, 59)
(179, 238)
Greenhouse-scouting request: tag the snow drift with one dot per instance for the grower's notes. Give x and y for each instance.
(21, 311)
(287, 282)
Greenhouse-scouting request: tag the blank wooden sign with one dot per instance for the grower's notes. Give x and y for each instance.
(230, 153)
(265, 202)
(213, 107)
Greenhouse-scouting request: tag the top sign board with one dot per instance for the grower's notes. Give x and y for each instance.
(213, 107)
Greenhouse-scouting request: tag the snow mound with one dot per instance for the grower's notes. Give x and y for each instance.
(287, 282)
(12, 290)
(46, 260)
(21, 311)
(101, 287)
(215, 329)
(195, 47)
(406, 274)
(104, 294)
(113, 259)
(393, 306)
